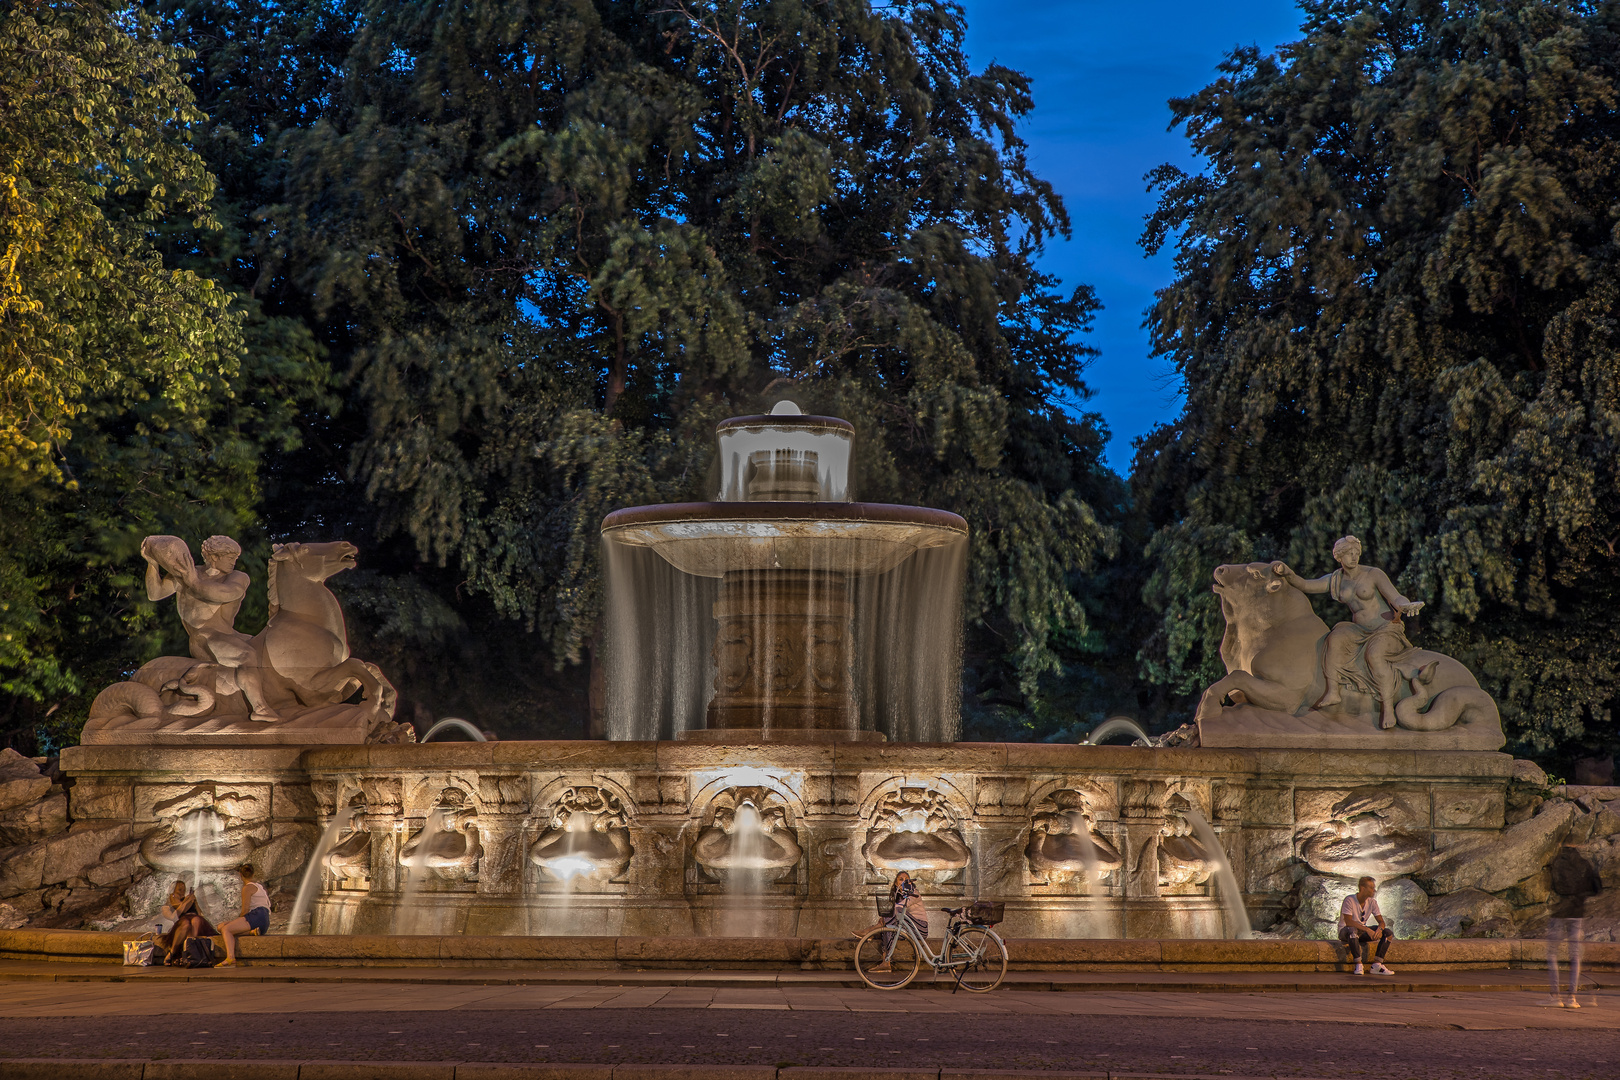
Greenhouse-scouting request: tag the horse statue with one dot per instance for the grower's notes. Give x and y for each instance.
(298, 666)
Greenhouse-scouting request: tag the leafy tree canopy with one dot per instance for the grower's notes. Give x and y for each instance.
(549, 243)
(1396, 313)
(126, 404)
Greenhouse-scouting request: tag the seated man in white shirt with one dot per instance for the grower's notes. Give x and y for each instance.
(1357, 914)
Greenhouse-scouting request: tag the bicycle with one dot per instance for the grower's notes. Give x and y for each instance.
(972, 951)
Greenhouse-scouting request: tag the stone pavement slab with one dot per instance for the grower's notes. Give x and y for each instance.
(1404, 981)
(66, 1029)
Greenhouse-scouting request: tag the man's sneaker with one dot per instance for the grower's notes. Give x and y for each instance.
(1358, 971)
(1380, 969)
(1573, 1004)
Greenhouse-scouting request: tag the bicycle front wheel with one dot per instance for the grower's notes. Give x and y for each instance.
(886, 959)
(981, 957)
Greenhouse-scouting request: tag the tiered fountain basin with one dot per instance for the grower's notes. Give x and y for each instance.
(714, 539)
(609, 839)
(782, 659)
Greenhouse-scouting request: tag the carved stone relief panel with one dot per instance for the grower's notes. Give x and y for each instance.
(917, 830)
(585, 838)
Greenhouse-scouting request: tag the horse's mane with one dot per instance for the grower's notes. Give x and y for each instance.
(275, 598)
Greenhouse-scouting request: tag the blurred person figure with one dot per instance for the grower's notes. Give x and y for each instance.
(1574, 878)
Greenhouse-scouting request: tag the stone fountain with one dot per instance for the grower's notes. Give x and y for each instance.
(794, 560)
(783, 709)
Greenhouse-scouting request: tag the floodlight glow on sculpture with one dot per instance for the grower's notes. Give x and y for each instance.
(1292, 682)
(289, 683)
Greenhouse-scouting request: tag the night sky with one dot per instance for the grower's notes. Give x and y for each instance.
(1103, 70)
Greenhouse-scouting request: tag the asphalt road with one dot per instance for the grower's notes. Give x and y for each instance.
(835, 1036)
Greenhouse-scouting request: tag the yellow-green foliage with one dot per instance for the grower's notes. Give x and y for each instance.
(93, 156)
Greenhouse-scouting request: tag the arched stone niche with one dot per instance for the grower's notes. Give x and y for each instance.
(916, 827)
(747, 837)
(445, 851)
(584, 842)
(1067, 846)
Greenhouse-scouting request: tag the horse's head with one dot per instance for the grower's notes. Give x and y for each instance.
(314, 561)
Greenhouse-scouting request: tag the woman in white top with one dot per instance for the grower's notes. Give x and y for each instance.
(1359, 911)
(255, 917)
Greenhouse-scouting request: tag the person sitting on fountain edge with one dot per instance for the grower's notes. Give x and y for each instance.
(1358, 911)
(255, 917)
(188, 922)
(904, 896)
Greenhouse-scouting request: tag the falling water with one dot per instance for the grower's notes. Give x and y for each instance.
(659, 645)
(1237, 916)
(408, 919)
(908, 646)
(312, 873)
(745, 881)
(207, 834)
(906, 643)
(568, 867)
(1113, 726)
(1091, 870)
(1089, 860)
(454, 723)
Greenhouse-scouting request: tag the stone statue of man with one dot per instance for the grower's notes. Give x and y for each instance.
(208, 601)
(1375, 634)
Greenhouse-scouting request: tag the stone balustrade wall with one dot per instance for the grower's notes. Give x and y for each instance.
(1296, 826)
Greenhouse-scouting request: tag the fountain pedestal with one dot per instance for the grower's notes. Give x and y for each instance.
(782, 654)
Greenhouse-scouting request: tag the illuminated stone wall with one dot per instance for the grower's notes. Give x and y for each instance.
(642, 838)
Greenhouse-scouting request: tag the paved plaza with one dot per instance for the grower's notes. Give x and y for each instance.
(1320, 1026)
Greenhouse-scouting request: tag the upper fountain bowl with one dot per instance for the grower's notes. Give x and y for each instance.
(710, 539)
(785, 456)
(783, 505)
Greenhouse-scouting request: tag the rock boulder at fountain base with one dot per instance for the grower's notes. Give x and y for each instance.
(1500, 862)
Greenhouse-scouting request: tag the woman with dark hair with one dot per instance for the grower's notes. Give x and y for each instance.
(255, 917)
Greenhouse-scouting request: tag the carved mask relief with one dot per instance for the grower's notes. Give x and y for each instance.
(350, 858)
(204, 830)
(749, 836)
(1370, 831)
(448, 846)
(1183, 862)
(914, 829)
(586, 839)
(1064, 845)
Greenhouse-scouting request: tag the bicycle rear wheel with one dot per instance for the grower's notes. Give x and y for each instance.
(886, 959)
(986, 958)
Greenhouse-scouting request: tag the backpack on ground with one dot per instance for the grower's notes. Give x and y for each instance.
(199, 953)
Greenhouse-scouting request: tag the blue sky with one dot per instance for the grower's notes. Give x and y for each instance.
(1102, 73)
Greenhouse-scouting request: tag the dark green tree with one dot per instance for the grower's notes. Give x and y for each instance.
(547, 244)
(1396, 313)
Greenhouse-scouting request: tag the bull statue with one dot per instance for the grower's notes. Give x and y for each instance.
(1292, 682)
